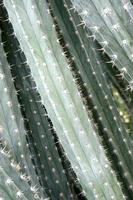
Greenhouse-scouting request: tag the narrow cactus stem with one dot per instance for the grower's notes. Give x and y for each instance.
(11, 122)
(62, 99)
(91, 69)
(52, 173)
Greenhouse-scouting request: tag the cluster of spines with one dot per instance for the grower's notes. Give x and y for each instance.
(15, 180)
(107, 28)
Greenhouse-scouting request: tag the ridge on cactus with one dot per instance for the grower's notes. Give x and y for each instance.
(66, 104)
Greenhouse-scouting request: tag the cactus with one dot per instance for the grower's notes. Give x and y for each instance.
(111, 27)
(64, 87)
(12, 130)
(50, 166)
(62, 99)
(13, 183)
(92, 68)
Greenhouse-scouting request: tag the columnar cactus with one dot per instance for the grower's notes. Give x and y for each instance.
(52, 174)
(62, 99)
(12, 131)
(49, 45)
(92, 69)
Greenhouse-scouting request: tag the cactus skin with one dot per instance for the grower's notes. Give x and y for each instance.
(62, 100)
(112, 25)
(52, 173)
(14, 184)
(12, 130)
(74, 34)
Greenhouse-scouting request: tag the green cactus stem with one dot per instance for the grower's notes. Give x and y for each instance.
(12, 129)
(112, 28)
(52, 174)
(92, 70)
(13, 183)
(61, 98)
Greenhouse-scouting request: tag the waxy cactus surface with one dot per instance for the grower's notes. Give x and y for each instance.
(63, 135)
